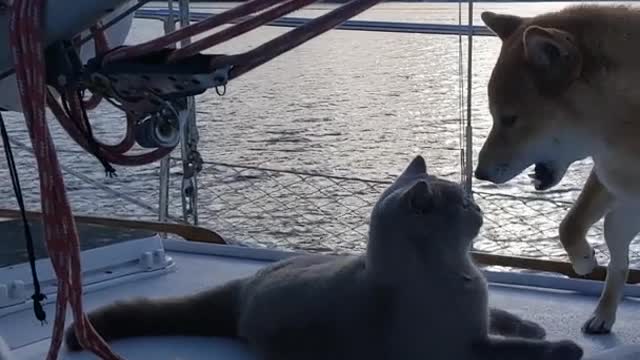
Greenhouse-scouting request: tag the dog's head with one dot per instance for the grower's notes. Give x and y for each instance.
(529, 89)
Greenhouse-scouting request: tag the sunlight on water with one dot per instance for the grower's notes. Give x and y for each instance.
(347, 103)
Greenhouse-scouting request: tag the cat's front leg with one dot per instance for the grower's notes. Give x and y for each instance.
(525, 349)
(504, 323)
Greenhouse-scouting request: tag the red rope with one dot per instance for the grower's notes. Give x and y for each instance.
(107, 150)
(200, 27)
(27, 46)
(238, 29)
(111, 153)
(101, 46)
(260, 55)
(60, 232)
(70, 122)
(242, 63)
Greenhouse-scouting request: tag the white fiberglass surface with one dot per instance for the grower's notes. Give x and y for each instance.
(560, 312)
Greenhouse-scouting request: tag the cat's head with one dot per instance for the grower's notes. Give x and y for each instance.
(426, 209)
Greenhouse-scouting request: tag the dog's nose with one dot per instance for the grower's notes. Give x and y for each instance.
(481, 174)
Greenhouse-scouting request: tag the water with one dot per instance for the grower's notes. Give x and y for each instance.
(346, 104)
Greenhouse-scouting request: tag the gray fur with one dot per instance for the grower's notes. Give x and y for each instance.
(415, 294)
(507, 324)
(5, 352)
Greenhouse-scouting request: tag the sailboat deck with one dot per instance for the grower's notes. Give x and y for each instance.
(198, 265)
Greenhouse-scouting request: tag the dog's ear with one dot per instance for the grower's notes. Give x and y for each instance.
(553, 56)
(501, 24)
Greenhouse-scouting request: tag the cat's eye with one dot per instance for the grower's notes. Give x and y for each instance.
(509, 120)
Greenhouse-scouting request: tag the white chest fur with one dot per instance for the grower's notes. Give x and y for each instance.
(620, 175)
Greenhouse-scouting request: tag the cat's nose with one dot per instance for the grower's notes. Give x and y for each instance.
(481, 174)
(477, 207)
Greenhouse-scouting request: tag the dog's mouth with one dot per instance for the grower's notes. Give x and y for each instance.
(544, 176)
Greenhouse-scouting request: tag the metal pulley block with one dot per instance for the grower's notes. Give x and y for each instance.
(139, 85)
(160, 129)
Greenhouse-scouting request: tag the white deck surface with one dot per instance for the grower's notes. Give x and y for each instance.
(560, 312)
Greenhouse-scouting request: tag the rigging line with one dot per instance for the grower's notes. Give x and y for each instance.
(461, 97)
(165, 162)
(37, 296)
(293, 172)
(469, 129)
(97, 184)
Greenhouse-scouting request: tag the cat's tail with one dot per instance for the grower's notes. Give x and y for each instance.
(209, 313)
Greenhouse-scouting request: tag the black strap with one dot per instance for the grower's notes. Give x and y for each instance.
(93, 144)
(94, 149)
(37, 296)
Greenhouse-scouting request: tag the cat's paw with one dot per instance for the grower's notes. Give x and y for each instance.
(599, 323)
(531, 330)
(565, 350)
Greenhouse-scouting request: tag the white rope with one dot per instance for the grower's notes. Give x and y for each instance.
(461, 113)
(469, 129)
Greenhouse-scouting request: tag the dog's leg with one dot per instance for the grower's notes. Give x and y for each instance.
(621, 225)
(591, 205)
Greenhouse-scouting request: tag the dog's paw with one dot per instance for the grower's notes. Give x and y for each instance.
(565, 350)
(584, 262)
(531, 330)
(599, 323)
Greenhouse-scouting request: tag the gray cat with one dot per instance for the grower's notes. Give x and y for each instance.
(5, 353)
(415, 294)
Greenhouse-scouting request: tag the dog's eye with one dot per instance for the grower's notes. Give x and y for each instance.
(508, 121)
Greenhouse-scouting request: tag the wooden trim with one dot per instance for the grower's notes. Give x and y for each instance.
(189, 232)
(200, 234)
(565, 268)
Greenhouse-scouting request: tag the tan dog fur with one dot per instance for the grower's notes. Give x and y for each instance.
(566, 86)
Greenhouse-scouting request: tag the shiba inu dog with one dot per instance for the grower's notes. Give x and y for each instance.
(566, 86)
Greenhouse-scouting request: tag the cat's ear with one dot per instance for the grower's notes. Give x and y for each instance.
(416, 167)
(420, 197)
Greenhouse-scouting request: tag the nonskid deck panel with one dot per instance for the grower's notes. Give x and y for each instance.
(202, 265)
(14, 251)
